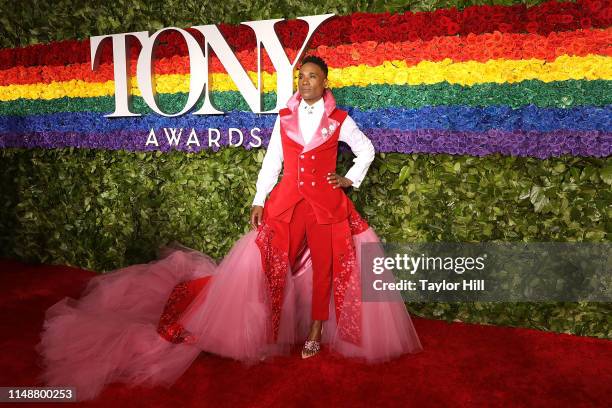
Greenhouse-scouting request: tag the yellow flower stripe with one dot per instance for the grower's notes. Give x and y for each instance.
(390, 72)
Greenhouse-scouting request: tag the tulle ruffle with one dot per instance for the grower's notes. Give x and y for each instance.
(110, 333)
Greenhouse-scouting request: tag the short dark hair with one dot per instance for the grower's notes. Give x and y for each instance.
(313, 59)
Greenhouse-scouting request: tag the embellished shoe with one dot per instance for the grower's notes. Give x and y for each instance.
(311, 348)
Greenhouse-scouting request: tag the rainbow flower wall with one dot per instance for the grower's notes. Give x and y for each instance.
(511, 80)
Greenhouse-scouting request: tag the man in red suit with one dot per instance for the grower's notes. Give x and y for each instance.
(308, 206)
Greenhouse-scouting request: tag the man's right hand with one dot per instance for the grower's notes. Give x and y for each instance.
(256, 216)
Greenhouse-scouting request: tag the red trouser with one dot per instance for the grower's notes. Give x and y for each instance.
(303, 225)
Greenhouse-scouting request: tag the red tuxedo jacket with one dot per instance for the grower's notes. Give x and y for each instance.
(305, 171)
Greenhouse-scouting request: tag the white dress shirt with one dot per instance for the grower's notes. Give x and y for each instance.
(309, 117)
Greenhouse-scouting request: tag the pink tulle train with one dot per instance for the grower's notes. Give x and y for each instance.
(110, 333)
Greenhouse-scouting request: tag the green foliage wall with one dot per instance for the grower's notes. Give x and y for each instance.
(102, 210)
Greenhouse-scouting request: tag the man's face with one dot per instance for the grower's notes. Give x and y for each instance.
(311, 82)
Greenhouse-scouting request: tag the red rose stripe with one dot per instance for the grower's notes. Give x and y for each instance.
(359, 27)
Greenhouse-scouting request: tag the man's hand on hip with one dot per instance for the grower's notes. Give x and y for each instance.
(337, 180)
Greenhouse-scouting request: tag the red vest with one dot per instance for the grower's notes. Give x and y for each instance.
(305, 176)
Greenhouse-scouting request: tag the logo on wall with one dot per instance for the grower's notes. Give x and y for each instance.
(198, 58)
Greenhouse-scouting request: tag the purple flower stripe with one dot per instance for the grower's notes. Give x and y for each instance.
(518, 143)
(129, 140)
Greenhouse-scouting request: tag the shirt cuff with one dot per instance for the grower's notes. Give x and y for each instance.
(353, 175)
(260, 199)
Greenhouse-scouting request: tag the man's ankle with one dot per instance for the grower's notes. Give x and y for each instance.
(315, 330)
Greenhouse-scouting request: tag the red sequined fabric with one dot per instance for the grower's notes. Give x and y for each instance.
(357, 224)
(275, 265)
(181, 297)
(348, 294)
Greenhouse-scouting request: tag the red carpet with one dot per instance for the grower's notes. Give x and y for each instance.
(462, 365)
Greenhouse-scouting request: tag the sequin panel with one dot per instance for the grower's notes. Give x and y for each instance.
(357, 223)
(275, 264)
(168, 326)
(348, 295)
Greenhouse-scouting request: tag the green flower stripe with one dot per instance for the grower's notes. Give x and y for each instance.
(563, 94)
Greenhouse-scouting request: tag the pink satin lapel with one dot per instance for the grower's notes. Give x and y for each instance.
(326, 128)
(292, 128)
